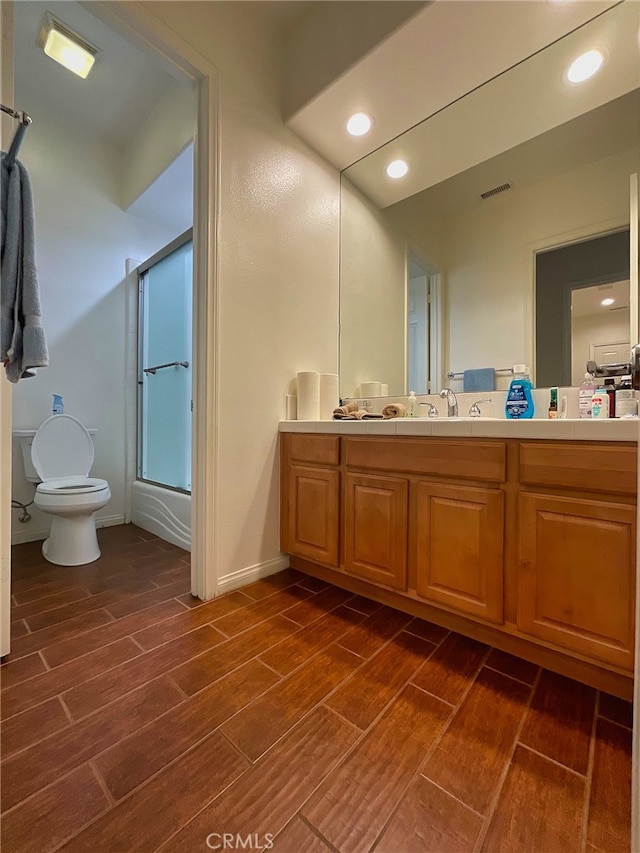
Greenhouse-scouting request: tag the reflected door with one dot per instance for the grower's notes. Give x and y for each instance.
(164, 372)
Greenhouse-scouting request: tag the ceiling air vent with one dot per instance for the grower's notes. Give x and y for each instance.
(496, 190)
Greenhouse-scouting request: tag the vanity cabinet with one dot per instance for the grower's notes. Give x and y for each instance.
(375, 528)
(459, 547)
(526, 545)
(310, 498)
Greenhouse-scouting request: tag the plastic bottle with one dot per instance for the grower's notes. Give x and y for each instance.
(58, 405)
(600, 404)
(412, 405)
(586, 393)
(519, 398)
(610, 387)
(626, 402)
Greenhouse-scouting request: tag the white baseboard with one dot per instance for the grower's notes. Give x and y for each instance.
(242, 577)
(40, 533)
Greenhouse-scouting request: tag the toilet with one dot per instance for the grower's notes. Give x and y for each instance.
(62, 455)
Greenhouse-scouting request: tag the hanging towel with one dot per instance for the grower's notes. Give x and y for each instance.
(483, 379)
(23, 346)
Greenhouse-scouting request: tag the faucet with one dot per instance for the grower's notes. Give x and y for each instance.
(433, 412)
(452, 402)
(474, 409)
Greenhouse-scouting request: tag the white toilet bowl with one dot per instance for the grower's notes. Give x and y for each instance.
(62, 455)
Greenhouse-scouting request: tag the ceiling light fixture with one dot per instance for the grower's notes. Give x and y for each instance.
(397, 169)
(359, 124)
(607, 302)
(585, 66)
(66, 47)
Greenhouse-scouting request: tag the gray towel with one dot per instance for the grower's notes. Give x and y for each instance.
(23, 346)
(482, 379)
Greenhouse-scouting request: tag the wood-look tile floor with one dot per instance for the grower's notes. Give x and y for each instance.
(136, 718)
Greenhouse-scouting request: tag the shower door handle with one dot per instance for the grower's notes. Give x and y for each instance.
(152, 370)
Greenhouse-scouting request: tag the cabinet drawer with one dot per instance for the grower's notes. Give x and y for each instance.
(586, 467)
(460, 460)
(317, 449)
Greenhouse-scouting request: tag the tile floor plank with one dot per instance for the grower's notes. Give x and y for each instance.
(43, 763)
(39, 640)
(406, 730)
(451, 668)
(92, 694)
(53, 815)
(293, 651)
(429, 820)
(76, 646)
(560, 720)
(258, 726)
(136, 758)
(56, 681)
(14, 671)
(517, 668)
(318, 605)
(297, 837)
(539, 809)
(616, 710)
(610, 808)
(265, 798)
(204, 670)
(477, 745)
(48, 603)
(30, 726)
(154, 812)
(363, 696)
(259, 611)
(188, 620)
(376, 630)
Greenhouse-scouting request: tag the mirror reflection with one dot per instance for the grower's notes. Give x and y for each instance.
(439, 268)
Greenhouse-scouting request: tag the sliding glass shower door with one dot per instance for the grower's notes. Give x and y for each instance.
(164, 366)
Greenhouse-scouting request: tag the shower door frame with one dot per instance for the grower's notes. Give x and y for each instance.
(177, 243)
(141, 27)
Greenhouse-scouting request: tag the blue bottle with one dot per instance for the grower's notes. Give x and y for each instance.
(519, 398)
(58, 405)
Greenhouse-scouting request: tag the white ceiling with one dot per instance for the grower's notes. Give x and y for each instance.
(443, 52)
(521, 105)
(121, 90)
(587, 301)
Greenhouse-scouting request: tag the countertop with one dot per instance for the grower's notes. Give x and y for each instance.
(569, 429)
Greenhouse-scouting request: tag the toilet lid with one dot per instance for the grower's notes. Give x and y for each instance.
(62, 447)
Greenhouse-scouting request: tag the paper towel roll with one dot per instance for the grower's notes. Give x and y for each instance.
(290, 407)
(329, 395)
(370, 389)
(308, 382)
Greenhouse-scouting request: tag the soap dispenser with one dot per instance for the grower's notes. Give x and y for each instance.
(519, 398)
(412, 405)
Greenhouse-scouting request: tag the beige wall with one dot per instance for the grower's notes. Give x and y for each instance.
(278, 268)
(489, 252)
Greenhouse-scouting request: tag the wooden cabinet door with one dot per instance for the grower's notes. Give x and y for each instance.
(459, 548)
(576, 583)
(311, 511)
(375, 528)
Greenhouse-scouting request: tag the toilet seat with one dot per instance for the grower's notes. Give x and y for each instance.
(72, 486)
(62, 449)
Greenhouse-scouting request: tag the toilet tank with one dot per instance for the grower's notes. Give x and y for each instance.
(24, 437)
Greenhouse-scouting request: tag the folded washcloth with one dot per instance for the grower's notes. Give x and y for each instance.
(482, 379)
(394, 410)
(343, 411)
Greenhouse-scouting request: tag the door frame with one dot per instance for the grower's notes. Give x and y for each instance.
(140, 26)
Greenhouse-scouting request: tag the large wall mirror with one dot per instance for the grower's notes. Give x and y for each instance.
(520, 188)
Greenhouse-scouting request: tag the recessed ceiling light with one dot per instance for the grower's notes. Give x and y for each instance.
(66, 47)
(359, 124)
(607, 301)
(397, 169)
(585, 66)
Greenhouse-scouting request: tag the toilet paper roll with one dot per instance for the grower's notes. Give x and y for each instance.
(308, 382)
(371, 389)
(329, 395)
(384, 390)
(290, 407)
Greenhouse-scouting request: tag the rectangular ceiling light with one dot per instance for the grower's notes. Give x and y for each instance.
(66, 47)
